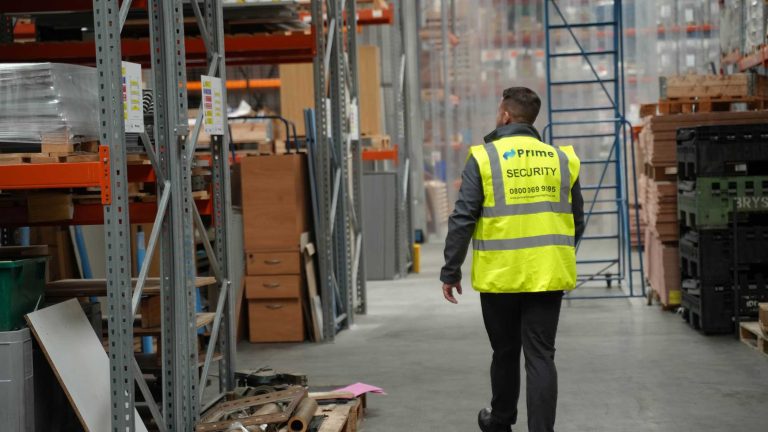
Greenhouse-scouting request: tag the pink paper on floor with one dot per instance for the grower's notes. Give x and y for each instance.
(359, 389)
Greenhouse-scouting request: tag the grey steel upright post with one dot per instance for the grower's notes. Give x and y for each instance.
(116, 219)
(323, 236)
(222, 203)
(180, 399)
(404, 230)
(340, 144)
(447, 119)
(414, 123)
(358, 279)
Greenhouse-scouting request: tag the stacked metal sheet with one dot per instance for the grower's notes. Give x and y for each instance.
(55, 103)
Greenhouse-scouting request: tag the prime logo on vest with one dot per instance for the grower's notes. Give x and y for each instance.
(528, 153)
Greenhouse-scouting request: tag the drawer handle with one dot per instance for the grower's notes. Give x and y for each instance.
(275, 306)
(272, 262)
(272, 285)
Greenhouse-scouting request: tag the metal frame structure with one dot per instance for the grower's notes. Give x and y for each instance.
(413, 122)
(171, 155)
(609, 124)
(394, 68)
(339, 230)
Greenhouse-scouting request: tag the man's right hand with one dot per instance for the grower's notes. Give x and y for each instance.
(448, 292)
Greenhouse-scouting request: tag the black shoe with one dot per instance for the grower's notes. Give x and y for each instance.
(488, 424)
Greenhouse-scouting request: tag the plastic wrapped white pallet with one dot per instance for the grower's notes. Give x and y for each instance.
(731, 25)
(55, 103)
(754, 25)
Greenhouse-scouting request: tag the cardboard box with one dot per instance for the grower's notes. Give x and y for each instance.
(272, 263)
(275, 320)
(369, 75)
(49, 207)
(275, 202)
(151, 312)
(297, 93)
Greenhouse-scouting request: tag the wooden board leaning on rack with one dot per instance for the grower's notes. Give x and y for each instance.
(98, 287)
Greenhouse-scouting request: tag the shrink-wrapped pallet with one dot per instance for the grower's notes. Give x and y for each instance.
(47, 103)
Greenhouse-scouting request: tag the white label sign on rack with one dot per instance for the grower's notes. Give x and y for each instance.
(212, 105)
(133, 112)
(354, 121)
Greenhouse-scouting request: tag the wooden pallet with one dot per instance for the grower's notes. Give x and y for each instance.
(46, 158)
(378, 141)
(653, 296)
(661, 173)
(751, 334)
(686, 105)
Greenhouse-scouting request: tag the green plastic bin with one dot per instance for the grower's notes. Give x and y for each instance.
(22, 285)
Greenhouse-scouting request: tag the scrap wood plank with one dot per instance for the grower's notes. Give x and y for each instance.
(311, 298)
(201, 320)
(336, 417)
(79, 362)
(98, 287)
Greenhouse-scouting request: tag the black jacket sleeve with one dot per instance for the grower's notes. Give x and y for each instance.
(461, 223)
(577, 207)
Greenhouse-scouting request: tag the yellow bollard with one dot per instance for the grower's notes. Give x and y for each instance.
(416, 258)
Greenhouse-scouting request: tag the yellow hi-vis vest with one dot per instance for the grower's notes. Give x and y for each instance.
(525, 238)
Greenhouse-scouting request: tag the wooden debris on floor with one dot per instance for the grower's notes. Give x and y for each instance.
(281, 407)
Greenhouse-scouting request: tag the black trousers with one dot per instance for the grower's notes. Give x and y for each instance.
(527, 321)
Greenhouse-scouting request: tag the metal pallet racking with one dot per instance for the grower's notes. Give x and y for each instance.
(177, 214)
(568, 123)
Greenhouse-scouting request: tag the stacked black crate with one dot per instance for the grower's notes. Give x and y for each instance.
(723, 213)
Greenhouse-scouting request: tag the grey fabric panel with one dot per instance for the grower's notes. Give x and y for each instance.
(498, 179)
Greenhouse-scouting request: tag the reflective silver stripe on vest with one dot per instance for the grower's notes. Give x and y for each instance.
(496, 175)
(565, 177)
(501, 208)
(527, 209)
(523, 243)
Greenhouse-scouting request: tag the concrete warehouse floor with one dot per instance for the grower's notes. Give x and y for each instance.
(623, 366)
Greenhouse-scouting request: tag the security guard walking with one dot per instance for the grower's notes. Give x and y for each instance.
(520, 204)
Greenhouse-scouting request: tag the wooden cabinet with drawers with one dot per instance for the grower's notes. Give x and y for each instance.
(275, 202)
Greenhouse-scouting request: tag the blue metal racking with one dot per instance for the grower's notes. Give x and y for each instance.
(598, 48)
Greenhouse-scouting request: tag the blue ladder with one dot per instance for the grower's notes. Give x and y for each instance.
(586, 105)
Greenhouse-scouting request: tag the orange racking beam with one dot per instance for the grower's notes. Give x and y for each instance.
(93, 214)
(65, 175)
(241, 49)
(266, 83)
(375, 16)
(381, 154)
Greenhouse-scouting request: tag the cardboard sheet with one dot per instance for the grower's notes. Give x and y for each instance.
(79, 361)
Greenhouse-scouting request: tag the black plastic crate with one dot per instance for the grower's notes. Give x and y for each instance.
(722, 151)
(708, 255)
(710, 308)
(710, 202)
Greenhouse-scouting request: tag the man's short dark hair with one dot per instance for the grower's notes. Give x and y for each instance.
(522, 103)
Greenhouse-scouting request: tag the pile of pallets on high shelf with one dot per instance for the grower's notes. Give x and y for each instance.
(658, 158)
